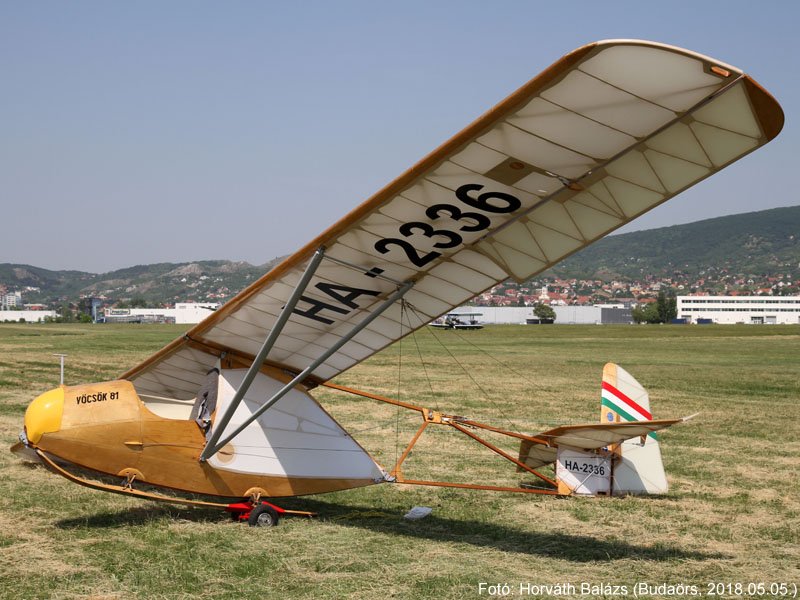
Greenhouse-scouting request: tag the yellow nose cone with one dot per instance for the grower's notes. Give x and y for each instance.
(44, 414)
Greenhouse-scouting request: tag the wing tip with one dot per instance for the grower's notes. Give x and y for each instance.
(766, 108)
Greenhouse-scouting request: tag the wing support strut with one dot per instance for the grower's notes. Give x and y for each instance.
(460, 424)
(213, 446)
(259, 359)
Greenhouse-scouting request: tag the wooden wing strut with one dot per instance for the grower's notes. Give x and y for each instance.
(212, 446)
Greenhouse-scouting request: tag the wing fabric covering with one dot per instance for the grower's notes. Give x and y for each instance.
(605, 134)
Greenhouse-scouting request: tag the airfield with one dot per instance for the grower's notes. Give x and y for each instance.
(731, 517)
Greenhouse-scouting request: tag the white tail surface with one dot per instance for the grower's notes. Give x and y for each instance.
(639, 469)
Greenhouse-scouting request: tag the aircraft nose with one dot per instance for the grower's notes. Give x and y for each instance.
(44, 414)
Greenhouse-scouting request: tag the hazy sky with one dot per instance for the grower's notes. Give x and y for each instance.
(144, 132)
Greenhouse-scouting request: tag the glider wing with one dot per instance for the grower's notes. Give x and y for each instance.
(605, 134)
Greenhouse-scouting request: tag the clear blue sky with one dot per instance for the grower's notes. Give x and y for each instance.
(149, 132)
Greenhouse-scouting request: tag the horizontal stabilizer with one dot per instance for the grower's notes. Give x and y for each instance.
(599, 435)
(592, 436)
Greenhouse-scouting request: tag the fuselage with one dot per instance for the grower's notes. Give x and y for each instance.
(107, 428)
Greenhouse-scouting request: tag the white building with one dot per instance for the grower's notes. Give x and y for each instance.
(30, 316)
(193, 312)
(740, 309)
(565, 315)
(12, 300)
(183, 313)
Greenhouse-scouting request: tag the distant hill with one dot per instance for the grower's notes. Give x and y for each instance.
(161, 283)
(761, 243)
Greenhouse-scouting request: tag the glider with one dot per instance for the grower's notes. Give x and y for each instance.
(608, 132)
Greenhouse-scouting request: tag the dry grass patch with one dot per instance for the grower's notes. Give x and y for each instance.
(733, 512)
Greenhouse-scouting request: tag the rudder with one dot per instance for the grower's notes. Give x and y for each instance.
(638, 468)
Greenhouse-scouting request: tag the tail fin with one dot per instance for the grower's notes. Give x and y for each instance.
(639, 469)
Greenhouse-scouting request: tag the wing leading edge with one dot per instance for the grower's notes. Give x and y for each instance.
(605, 134)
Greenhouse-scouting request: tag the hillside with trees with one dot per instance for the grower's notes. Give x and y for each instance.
(744, 253)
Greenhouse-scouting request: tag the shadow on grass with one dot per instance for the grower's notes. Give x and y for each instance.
(576, 548)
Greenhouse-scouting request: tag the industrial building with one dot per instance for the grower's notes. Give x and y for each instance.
(28, 316)
(183, 313)
(756, 310)
(565, 315)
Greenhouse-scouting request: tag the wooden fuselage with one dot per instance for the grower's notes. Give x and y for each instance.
(107, 428)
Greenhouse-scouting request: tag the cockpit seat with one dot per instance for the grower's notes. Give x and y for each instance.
(206, 402)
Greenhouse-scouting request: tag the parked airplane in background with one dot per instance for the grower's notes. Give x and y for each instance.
(608, 132)
(458, 320)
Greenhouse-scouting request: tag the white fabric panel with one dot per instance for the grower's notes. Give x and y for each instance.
(590, 222)
(539, 456)
(480, 264)
(367, 260)
(293, 438)
(600, 191)
(403, 210)
(722, 146)
(571, 130)
(661, 76)
(373, 340)
(634, 167)
(427, 304)
(590, 201)
(478, 158)
(519, 236)
(383, 225)
(179, 376)
(632, 199)
(538, 151)
(469, 279)
(515, 260)
(555, 216)
(451, 176)
(453, 294)
(596, 100)
(433, 190)
(730, 111)
(675, 173)
(541, 185)
(552, 242)
(171, 381)
(679, 140)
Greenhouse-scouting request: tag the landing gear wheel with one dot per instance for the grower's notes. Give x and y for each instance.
(263, 516)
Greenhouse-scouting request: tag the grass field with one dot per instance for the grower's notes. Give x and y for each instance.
(732, 514)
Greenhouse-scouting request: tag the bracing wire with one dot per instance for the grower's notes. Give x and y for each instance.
(495, 359)
(466, 371)
(528, 380)
(422, 362)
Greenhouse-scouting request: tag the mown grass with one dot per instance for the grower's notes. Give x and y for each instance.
(732, 514)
